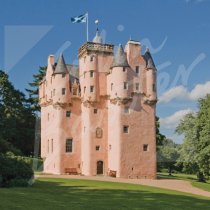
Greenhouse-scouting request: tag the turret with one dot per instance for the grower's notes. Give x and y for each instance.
(119, 86)
(61, 83)
(93, 59)
(151, 93)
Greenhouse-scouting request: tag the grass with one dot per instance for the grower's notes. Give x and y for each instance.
(187, 177)
(57, 194)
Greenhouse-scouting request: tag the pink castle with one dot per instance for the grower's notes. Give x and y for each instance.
(98, 118)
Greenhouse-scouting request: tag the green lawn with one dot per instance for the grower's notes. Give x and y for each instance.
(59, 194)
(188, 177)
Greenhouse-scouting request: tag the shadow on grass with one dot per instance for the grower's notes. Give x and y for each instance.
(56, 194)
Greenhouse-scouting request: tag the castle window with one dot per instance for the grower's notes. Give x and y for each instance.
(137, 69)
(111, 86)
(124, 69)
(125, 129)
(97, 148)
(125, 85)
(91, 89)
(84, 89)
(145, 147)
(137, 86)
(74, 91)
(68, 113)
(63, 91)
(91, 73)
(153, 87)
(69, 145)
(52, 145)
(95, 111)
(126, 110)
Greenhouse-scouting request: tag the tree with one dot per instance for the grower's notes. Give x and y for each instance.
(168, 155)
(34, 91)
(195, 151)
(16, 117)
(160, 138)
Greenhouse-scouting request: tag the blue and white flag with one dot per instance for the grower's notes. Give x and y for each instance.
(79, 19)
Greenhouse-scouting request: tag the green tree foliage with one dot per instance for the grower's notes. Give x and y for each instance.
(168, 155)
(160, 138)
(34, 91)
(195, 151)
(16, 118)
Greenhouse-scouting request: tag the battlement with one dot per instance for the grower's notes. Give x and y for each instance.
(90, 47)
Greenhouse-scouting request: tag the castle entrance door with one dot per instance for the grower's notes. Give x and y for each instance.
(100, 166)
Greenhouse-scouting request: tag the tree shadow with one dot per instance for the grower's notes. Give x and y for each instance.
(95, 195)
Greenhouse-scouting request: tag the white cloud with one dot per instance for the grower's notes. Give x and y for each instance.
(173, 120)
(181, 93)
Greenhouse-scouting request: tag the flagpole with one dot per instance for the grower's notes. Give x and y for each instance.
(87, 26)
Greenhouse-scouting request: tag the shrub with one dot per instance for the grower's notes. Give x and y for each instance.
(14, 171)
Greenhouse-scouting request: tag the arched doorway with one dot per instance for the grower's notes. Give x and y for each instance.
(100, 167)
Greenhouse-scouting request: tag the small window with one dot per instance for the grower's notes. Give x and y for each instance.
(125, 129)
(91, 58)
(95, 111)
(69, 145)
(91, 89)
(125, 85)
(110, 147)
(124, 69)
(111, 86)
(137, 69)
(53, 92)
(91, 73)
(84, 89)
(137, 86)
(84, 74)
(153, 87)
(63, 91)
(126, 110)
(84, 128)
(145, 147)
(63, 75)
(97, 148)
(68, 113)
(52, 145)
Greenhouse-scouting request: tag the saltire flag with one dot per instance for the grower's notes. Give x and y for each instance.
(79, 19)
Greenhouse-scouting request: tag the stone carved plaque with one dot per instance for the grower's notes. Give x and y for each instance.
(99, 133)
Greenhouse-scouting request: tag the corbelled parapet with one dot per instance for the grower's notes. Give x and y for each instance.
(91, 47)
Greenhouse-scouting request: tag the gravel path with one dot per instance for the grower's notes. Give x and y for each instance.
(171, 184)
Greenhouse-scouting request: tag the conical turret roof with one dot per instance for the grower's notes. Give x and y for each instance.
(120, 58)
(61, 66)
(98, 38)
(149, 61)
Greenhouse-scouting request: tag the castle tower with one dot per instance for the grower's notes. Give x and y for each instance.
(94, 61)
(131, 120)
(59, 112)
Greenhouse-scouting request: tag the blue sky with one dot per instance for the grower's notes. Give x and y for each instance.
(177, 33)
